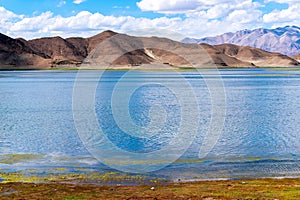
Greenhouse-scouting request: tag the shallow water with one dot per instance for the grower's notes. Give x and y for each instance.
(260, 136)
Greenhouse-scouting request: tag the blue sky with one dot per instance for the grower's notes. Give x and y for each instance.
(68, 8)
(193, 18)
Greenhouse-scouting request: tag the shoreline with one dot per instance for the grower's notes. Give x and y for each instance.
(267, 188)
(234, 179)
(271, 68)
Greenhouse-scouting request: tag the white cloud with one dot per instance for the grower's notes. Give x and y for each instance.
(78, 1)
(168, 6)
(6, 15)
(190, 6)
(243, 16)
(7, 20)
(226, 13)
(289, 16)
(61, 3)
(33, 24)
(283, 1)
(86, 24)
(202, 18)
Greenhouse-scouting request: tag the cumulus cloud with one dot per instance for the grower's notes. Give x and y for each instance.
(6, 15)
(168, 6)
(86, 24)
(202, 18)
(7, 20)
(78, 1)
(190, 6)
(289, 16)
(243, 16)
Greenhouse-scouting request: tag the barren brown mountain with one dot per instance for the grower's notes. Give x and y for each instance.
(15, 52)
(147, 52)
(223, 59)
(95, 40)
(127, 51)
(297, 57)
(58, 49)
(256, 56)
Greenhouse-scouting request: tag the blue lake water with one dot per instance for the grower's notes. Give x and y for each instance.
(260, 136)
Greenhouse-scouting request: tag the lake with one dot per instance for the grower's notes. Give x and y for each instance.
(156, 124)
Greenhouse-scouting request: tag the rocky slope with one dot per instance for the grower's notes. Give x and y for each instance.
(285, 40)
(297, 57)
(256, 56)
(128, 51)
(16, 52)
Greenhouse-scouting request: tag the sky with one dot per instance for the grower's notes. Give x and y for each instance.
(190, 18)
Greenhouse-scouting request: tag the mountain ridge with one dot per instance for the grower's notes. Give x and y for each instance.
(284, 40)
(57, 52)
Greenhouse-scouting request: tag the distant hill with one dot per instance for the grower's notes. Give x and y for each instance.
(57, 52)
(256, 56)
(285, 40)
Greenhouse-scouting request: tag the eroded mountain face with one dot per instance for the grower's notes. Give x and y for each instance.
(57, 52)
(284, 40)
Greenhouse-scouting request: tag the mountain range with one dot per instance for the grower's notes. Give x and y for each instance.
(57, 52)
(285, 40)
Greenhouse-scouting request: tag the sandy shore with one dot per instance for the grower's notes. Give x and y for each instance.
(232, 189)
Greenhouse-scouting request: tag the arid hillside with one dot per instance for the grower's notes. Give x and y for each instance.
(109, 49)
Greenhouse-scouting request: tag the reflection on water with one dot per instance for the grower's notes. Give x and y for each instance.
(260, 136)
